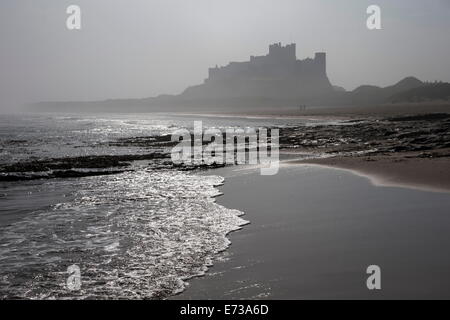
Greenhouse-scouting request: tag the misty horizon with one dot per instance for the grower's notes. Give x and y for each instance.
(156, 47)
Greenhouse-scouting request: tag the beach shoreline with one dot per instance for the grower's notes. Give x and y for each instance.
(398, 170)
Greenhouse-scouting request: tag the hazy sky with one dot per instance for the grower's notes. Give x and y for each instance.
(141, 48)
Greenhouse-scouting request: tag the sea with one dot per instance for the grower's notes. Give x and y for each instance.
(138, 234)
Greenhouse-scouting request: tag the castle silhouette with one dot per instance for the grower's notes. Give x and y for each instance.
(280, 62)
(279, 74)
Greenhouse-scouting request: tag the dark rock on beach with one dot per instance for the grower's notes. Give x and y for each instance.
(372, 136)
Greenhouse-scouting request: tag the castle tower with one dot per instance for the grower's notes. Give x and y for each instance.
(320, 59)
(282, 53)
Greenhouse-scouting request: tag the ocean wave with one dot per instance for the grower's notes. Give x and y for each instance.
(133, 235)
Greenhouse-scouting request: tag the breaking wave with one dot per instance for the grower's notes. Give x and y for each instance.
(133, 235)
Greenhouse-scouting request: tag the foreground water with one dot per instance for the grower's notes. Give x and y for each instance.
(133, 235)
(137, 234)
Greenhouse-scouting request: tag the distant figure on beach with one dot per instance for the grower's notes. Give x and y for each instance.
(302, 107)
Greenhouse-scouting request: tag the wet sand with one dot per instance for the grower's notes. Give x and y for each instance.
(315, 230)
(406, 170)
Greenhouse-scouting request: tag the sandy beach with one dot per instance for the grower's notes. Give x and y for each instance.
(405, 170)
(313, 231)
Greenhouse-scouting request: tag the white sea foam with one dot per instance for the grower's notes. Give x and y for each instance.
(133, 235)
